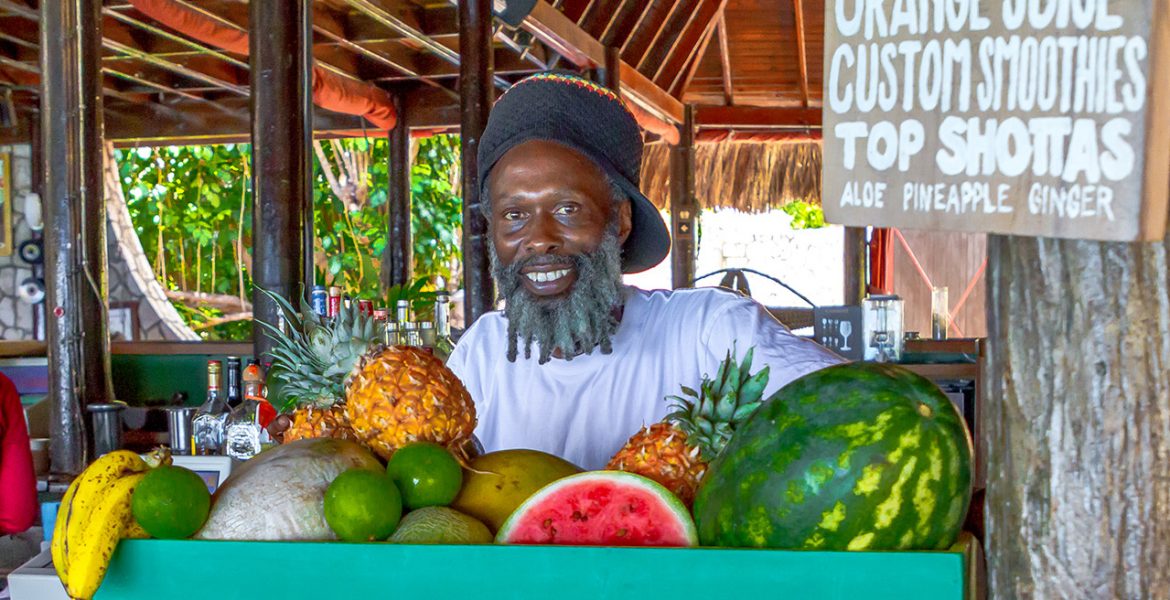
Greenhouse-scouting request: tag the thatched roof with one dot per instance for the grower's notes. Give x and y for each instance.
(745, 175)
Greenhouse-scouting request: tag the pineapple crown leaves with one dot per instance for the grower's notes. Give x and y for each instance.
(314, 358)
(710, 415)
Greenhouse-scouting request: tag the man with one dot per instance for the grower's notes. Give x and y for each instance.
(577, 362)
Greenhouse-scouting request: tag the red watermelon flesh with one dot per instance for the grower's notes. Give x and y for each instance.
(601, 508)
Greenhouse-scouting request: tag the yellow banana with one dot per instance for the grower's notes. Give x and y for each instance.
(57, 545)
(89, 560)
(134, 531)
(92, 487)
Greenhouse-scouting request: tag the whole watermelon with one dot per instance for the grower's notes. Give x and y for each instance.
(861, 456)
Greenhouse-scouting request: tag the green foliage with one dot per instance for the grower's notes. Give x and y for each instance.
(192, 209)
(805, 215)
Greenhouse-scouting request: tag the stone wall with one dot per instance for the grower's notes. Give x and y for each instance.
(132, 283)
(17, 320)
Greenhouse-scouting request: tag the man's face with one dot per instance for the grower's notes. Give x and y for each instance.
(550, 203)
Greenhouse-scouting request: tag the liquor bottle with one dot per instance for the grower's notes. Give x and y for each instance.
(391, 334)
(443, 344)
(234, 388)
(319, 298)
(426, 334)
(410, 336)
(208, 424)
(246, 434)
(333, 304)
(402, 313)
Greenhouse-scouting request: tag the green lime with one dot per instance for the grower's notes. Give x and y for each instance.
(362, 506)
(171, 502)
(426, 473)
(441, 525)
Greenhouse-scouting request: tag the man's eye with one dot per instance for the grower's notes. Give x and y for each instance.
(567, 209)
(512, 215)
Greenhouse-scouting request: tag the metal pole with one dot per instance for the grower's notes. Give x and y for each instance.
(855, 261)
(281, 103)
(396, 259)
(74, 201)
(475, 88)
(684, 207)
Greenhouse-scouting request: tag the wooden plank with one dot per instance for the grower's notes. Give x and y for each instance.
(680, 84)
(801, 59)
(725, 61)
(638, 56)
(686, 45)
(1074, 148)
(755, 116)
(566, 38)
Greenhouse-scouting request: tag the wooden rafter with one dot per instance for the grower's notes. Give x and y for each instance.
(802, 61)
(725, 60)
(567, 39)
(597, 16)
(682, 80)
(658, 31)
(694, 32)
(607, 34)
(757, 117)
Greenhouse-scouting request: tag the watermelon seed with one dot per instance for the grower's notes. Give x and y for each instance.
(577, 516)
(622, 532)
(924, 410)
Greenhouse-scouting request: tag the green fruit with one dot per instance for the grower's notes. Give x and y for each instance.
(426, 474)
(362, 505)
(171, 502)
(440, 525)
(499, 481)
(862, 456)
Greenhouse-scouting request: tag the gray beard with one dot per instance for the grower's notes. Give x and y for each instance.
(575, 323)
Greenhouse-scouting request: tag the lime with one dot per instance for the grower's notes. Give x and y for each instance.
(171, 502)
(362, 505)
(441, 525)
(426, 473)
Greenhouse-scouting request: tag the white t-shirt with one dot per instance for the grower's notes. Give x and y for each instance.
(585, 409)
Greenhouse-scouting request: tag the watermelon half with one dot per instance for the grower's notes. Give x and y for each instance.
(601, 508)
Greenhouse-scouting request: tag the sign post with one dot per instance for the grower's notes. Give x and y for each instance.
(1027, 117)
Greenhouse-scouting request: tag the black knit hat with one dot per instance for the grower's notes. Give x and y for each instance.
(565, 108)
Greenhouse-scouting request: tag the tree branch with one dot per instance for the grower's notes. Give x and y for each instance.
(220, 301)
(232, 318)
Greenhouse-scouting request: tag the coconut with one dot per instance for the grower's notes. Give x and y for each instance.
(279, 494)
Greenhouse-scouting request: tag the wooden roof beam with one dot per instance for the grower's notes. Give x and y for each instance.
(563, 36)
(725, 60)
(757, 117)
(801, 59)
(678, 87)
(638, 55)
(685, 47)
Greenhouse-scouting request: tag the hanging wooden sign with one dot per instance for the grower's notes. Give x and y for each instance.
(1029, 117)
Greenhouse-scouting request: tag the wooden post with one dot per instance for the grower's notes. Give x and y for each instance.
(855, 270)
(281, 105)
(75, 223)
(397, 259)
(684, 207)
(475, 89)
(1077, 419)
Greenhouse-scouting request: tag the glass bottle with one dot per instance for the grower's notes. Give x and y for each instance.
(246, 434)
(410, 337)
(232, 382)
(402, 313)
(391, 334)
(443, 343)
(208, 424)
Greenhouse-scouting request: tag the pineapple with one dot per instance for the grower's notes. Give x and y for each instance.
(676, 451)
(310, 365)
(400, 394)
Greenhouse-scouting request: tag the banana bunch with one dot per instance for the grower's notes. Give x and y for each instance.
(94, 515)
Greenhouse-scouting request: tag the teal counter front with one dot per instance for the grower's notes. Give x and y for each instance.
(154, 569)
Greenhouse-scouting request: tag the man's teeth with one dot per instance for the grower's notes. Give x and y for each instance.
(546, 277)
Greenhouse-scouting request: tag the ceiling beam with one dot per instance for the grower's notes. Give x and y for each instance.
(646, 35)
(178, 39)
(563, 36)
(725, 60)
(801, 59)
(677, 21)
(757, 117)
(682, 80)
(686, 44)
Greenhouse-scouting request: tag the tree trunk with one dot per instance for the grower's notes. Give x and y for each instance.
(1078, 420)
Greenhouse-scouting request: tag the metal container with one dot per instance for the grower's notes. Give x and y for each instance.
(107, 427)
(179, 425)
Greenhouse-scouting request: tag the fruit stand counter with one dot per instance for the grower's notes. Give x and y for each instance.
(151, 569)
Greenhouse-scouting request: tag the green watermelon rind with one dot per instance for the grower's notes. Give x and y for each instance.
(748, 498)
(668, 499)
